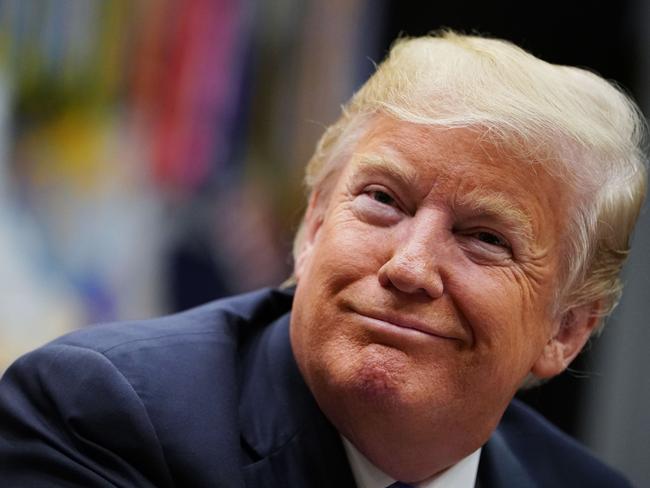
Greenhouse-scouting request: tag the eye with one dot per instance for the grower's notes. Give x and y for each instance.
(377, 205)
(485, 245)
(382, 197)
(491, 238)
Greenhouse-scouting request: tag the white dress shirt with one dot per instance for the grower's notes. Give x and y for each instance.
(367, 475)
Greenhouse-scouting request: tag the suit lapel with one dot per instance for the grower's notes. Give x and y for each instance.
(286, 439)
(499, 467)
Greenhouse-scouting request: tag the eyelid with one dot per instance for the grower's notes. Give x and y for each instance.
(496, 250)
(381, 188)
(504, 241)
(470, 228)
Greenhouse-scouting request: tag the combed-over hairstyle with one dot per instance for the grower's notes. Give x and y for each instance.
(574, 124)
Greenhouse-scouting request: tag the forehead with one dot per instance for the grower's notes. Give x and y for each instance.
(414, 149)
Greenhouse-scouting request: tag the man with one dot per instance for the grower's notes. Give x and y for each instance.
(468, 217)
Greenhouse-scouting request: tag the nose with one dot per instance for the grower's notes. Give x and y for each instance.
(414, 266)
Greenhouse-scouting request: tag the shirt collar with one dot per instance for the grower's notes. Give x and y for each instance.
(367, 475)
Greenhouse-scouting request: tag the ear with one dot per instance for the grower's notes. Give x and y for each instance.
(310, 226)
(571, 333)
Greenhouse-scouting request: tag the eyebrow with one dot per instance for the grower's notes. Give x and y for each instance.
(498, 206)
(373, 162)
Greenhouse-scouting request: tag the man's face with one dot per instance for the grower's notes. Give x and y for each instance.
(425, 290)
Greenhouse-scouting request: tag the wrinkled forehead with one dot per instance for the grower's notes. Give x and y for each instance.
(471, 151)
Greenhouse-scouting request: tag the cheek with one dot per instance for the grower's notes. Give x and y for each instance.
(347, 251)
(505, 313)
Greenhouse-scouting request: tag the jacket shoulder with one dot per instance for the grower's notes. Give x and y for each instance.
(548, 455)
(222, 319)
(154, 400)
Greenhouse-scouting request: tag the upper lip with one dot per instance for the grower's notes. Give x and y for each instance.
(408, 322)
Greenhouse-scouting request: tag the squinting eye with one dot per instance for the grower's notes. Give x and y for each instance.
(490, 238)
(382, 197)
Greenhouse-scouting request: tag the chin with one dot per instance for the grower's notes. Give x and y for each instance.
(377, 376)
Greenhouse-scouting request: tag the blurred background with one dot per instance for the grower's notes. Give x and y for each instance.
(151, 154)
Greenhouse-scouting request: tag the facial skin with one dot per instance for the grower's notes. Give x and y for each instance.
(426, 293)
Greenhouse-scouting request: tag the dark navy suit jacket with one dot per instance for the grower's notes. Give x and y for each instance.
(212, 397)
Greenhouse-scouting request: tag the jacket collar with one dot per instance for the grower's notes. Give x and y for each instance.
(500, 466)
(288, 440)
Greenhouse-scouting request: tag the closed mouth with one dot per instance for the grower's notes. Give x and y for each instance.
(404, 322)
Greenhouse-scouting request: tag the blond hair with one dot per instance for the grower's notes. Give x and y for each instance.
(578, 126)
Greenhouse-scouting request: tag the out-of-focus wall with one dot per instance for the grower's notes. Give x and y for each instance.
(151, 151)
(617, 419)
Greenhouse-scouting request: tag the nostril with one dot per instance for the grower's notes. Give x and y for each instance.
(384, 280)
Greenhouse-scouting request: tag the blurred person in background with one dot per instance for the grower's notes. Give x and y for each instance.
(467, 221)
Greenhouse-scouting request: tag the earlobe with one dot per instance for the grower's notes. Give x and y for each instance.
(570, 335)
